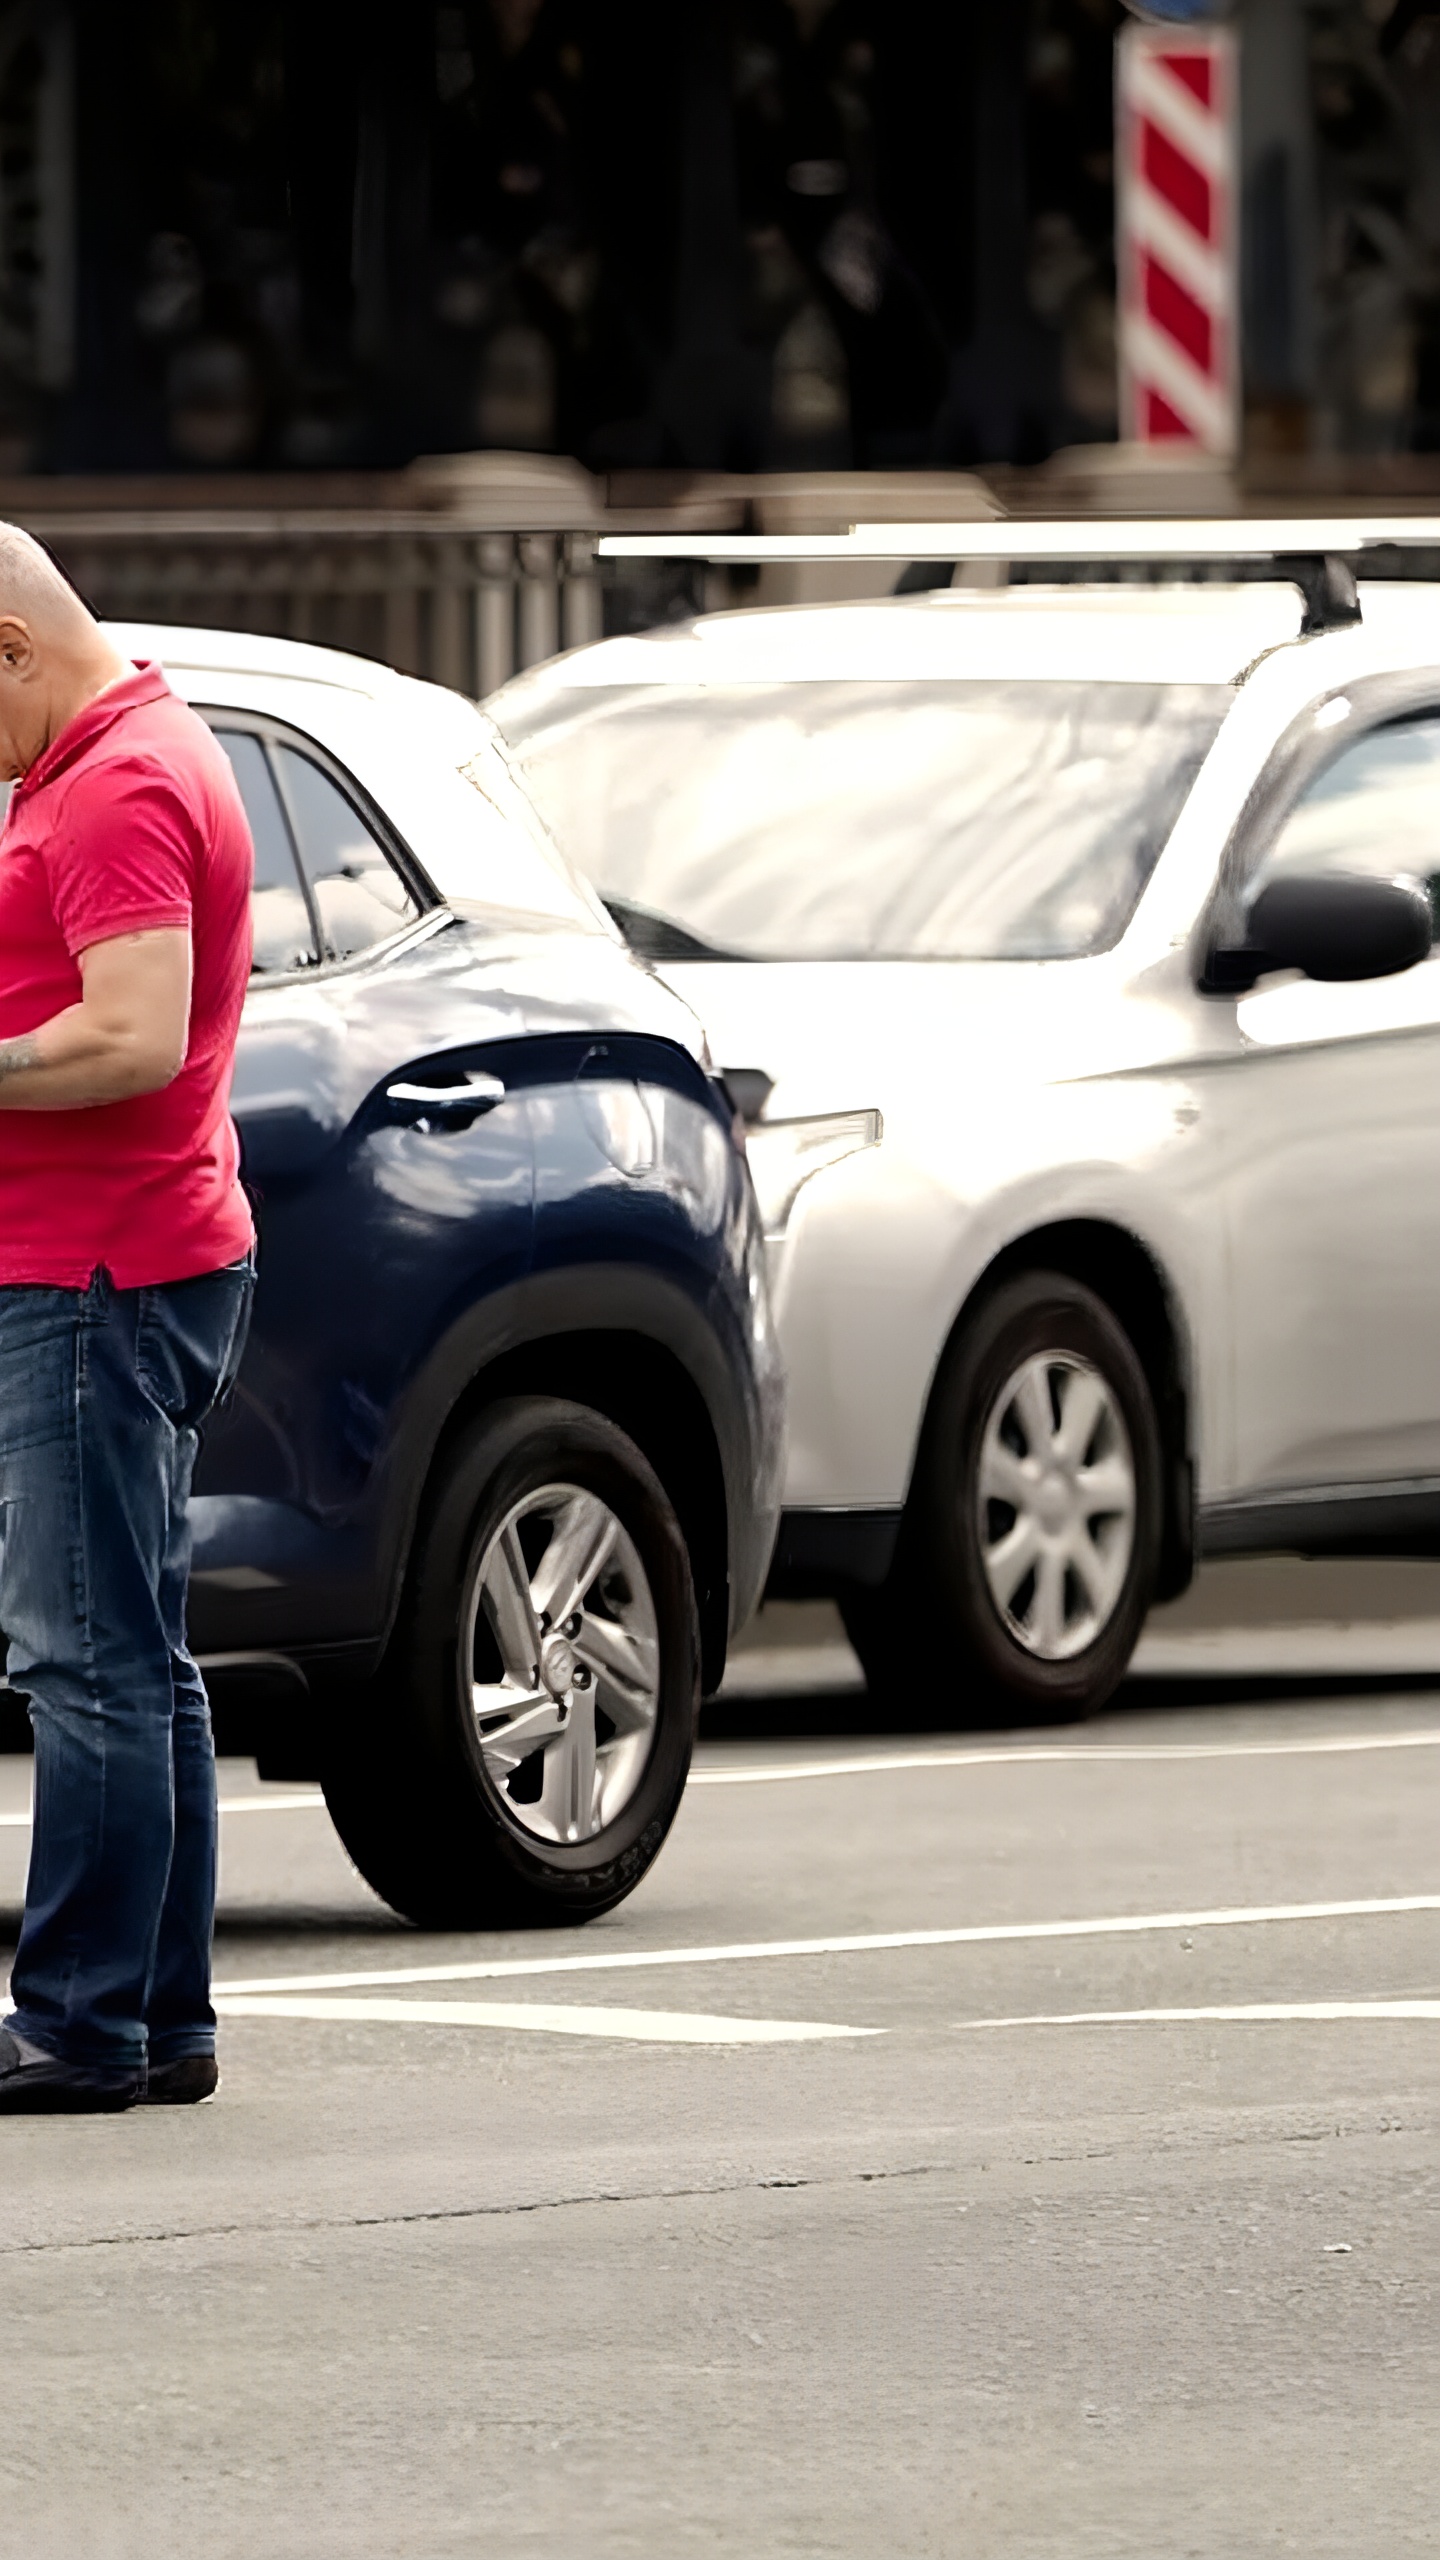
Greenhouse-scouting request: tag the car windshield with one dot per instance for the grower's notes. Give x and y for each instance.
(955, 820)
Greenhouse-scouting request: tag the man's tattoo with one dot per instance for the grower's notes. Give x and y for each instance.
(16, 1055)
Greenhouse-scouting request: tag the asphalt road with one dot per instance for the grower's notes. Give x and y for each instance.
(1019, 2148)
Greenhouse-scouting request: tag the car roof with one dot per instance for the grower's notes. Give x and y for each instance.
(1196, 634)
(251, 653)
(326, 692)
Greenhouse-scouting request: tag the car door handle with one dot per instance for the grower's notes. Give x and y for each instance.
(479, 1092)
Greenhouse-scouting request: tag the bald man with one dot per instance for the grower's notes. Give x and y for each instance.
(126, 1269)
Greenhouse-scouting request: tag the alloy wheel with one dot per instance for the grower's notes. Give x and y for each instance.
(560, 1652)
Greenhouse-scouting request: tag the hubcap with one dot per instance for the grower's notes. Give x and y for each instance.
(563, 1653)
(1056, 1504)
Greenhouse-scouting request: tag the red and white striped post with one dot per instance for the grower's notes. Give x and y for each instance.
(1177, 236)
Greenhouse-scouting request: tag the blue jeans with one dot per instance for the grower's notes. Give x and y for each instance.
(102, 1394)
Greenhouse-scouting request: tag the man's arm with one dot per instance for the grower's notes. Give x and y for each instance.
(126, 1036)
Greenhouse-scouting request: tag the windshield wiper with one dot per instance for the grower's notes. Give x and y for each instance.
(658, 937)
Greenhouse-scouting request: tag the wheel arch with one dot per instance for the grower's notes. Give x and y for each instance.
(1125, 1275)
(645, 1389)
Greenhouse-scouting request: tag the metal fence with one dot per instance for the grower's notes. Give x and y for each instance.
(466, 609)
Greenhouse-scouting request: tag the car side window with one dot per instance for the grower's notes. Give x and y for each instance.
(1375, 809)
(359, 896)
(279, 909)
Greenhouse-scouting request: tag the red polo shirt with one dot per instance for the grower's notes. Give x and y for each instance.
(131, 819)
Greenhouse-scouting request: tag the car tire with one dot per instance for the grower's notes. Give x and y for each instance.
(481, 1786)
(1030, 1546)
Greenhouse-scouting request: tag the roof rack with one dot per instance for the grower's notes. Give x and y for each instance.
(1313, 553)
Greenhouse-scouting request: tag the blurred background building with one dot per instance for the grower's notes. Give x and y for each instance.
(741, 235)
(359, 322)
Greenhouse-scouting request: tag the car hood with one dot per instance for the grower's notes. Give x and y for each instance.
(841, 1035)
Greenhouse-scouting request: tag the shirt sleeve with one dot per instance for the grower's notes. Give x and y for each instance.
(123, 856)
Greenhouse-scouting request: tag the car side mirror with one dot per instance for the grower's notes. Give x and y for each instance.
(1332, 925)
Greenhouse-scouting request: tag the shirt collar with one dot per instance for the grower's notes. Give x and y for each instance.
(144, 683)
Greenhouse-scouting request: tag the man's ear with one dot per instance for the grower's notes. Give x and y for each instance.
(17, 649)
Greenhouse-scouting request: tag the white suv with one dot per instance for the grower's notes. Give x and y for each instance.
(1059, 946)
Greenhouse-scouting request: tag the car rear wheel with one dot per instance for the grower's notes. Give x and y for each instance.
(523, 1754)
(1029, 1551)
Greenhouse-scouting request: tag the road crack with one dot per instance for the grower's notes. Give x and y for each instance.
(440, 2214)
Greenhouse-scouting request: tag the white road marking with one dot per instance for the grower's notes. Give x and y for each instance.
(1124, 1925)
(228, 1804)
(312, 1803)
(645, 2026)
(1246, 2011)
(878, 1763)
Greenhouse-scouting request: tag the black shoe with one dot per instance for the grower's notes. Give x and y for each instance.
(40, 2084)
(190, 2082)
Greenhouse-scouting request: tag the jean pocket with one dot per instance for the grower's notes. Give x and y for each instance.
(238, 1339)
(188, 1339)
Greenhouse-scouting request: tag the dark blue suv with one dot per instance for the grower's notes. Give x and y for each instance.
(500, 1474)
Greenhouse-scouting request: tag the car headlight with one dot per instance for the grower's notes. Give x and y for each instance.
(784, 1154)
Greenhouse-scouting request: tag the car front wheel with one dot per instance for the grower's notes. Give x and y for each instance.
(522, 1756)
(1029, 1550)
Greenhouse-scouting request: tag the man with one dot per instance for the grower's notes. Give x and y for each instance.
(126, 1263)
